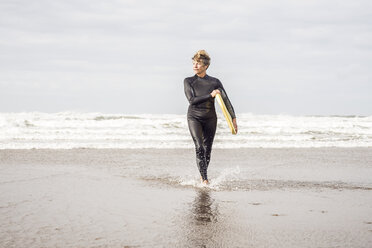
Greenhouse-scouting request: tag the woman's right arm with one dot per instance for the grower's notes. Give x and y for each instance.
(190, 95)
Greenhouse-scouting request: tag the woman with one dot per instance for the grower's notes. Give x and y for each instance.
(200, 91)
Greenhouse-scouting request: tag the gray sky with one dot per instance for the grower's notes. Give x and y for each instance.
(273, 57)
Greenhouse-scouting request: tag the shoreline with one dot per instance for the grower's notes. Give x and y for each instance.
(262, 197)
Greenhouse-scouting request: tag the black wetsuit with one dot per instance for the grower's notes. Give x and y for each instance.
(201, 116)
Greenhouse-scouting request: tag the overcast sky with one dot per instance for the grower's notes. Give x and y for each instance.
(274, 57)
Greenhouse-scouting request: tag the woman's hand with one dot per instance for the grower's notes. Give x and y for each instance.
(215, 92)
(235, 125)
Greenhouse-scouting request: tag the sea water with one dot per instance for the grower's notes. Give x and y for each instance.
(67, 130)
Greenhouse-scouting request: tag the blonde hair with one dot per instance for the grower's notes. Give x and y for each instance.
(202, 56)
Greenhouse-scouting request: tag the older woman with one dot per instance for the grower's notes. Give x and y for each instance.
(200, 91)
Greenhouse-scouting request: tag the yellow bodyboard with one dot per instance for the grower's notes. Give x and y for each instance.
(225, 113)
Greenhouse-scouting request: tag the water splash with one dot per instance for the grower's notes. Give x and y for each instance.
(225, 177)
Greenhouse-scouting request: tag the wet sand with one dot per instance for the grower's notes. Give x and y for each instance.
(151, 198)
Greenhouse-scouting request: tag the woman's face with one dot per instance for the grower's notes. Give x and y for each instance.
(198, 67)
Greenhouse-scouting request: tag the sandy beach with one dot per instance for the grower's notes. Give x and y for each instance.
(313, 197)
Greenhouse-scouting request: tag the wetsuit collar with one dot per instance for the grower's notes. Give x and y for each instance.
(205, 77)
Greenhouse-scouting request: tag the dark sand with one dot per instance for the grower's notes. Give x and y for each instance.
(151, 198)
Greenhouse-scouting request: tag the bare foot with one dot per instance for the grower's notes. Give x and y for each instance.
(203, 181)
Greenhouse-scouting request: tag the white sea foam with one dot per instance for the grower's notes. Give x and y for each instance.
(96, 130)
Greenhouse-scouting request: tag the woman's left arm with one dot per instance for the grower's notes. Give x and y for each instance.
(228, 104)
(226, 100)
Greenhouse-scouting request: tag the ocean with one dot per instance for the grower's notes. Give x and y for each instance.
(112, 180)
(66, 130)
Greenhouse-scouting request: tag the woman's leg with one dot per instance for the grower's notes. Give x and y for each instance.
(209, 130)
(196, 131)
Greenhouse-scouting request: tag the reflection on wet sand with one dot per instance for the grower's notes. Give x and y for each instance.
(203, 208)
(203, 221)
